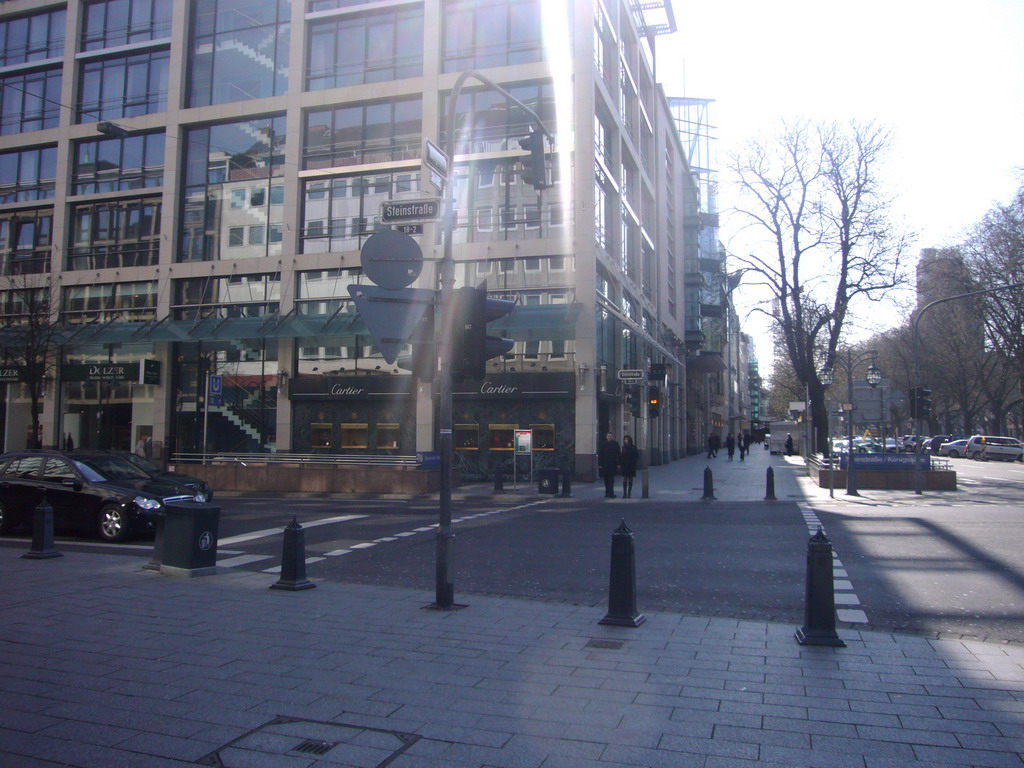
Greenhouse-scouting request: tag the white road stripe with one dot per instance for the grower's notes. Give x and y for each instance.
(275, 531)
(309, 560)
(232, 562)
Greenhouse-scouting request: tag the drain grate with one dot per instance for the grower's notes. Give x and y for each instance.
(280, 741)
(314, 747)
(607, 645)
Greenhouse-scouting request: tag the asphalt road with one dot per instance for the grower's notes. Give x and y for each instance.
(941, 563)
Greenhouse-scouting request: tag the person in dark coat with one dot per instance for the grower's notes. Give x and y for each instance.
(712, 446)
(608, 462)
(789, 444)
(741, 443)
(628, 458)
(730, 445)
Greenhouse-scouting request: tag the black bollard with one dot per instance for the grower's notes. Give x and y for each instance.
(769, 485)
(499, 482)
(622, 611)
(157, 558)
(820, 601)
(709, 485)
(566, 483)
(293, 560)
(42, 533)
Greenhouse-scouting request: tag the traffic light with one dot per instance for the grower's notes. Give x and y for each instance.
(913, 403)
(924, 403)
(535, 167)
(633, 400)
(653, 402)
(472, 346)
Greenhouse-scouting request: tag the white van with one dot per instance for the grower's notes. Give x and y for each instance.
(983, 447)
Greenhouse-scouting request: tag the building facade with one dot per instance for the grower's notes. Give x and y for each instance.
(190, 185)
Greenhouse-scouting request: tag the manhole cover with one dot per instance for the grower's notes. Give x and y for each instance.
(338, 743)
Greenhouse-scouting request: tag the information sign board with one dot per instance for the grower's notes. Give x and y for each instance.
(524, 441)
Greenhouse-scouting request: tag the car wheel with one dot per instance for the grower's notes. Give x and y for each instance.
(954, 454)
(976, 456)
(113, 523)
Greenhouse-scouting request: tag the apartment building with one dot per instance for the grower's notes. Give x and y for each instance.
(189, 185)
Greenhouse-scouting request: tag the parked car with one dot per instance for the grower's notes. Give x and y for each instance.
(932, 444)
(994, 447)
(891, 446)
(199, 487)
(954, 448)
(97, 491)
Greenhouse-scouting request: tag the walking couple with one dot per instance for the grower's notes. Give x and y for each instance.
(612, 459)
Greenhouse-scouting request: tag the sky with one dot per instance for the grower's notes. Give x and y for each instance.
(946, 77)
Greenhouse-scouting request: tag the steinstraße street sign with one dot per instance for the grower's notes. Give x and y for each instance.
(631, 375)
(410, 210)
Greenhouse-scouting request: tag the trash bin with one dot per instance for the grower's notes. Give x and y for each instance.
(190, 539)
(547, 481)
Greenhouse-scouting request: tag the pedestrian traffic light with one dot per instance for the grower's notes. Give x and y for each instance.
(472, 346)
(924, 403)
(535, 167)
(653, 402)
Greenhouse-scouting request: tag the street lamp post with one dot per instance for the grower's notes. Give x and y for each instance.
(873, 377)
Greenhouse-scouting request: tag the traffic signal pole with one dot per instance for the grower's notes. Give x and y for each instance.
(444, 589)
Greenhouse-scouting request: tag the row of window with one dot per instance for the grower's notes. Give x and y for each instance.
(467, 437)
(240, 50)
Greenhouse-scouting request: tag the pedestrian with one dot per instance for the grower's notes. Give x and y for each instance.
(608, 463)
(730, 445)
(789, 444)
(711, 446)
(741, 443)
(628, 458)
(69, 443)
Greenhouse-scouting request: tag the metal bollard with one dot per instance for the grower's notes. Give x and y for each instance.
(293, 560)
(566, 483)
(622, 611)
(769, 485)
(709, 485)
(499, 482)
(820, 601)
(42, 533)
(156, 560)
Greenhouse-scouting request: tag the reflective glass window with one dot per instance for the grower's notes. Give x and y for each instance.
(30, 174)
(108, 23)
(114, 165)
(362, 48)
(123, 87)
(29, 101)
(26, 237)
(239, 50)
(491, 33)
(115, 233)
(363, 133)
(32, 38)
(229, 183)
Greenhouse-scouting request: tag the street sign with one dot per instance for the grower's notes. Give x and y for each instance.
(391, 259)
(391, 315)
(436, 159)
(149, 372)
(410, 229)
(410, 210)
(215, 387)
(629, 374)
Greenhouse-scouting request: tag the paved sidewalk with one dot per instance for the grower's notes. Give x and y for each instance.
(105, 665)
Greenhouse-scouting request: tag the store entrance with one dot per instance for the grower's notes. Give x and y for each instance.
(107, 426)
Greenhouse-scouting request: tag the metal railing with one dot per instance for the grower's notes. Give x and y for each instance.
(309, 459)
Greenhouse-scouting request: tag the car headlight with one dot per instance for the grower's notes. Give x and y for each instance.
(144, 502)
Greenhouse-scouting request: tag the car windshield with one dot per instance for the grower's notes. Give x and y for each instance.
(109, 468)
(141, 462)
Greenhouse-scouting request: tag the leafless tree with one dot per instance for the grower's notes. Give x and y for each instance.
(30, 335)
(812, 195)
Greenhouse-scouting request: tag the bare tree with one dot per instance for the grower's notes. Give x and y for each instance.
(30, 336)
(812, 193)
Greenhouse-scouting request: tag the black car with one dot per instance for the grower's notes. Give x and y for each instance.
(198, 486)
(98, 491)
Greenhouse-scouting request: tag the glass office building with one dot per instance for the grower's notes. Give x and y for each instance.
(189, 186)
